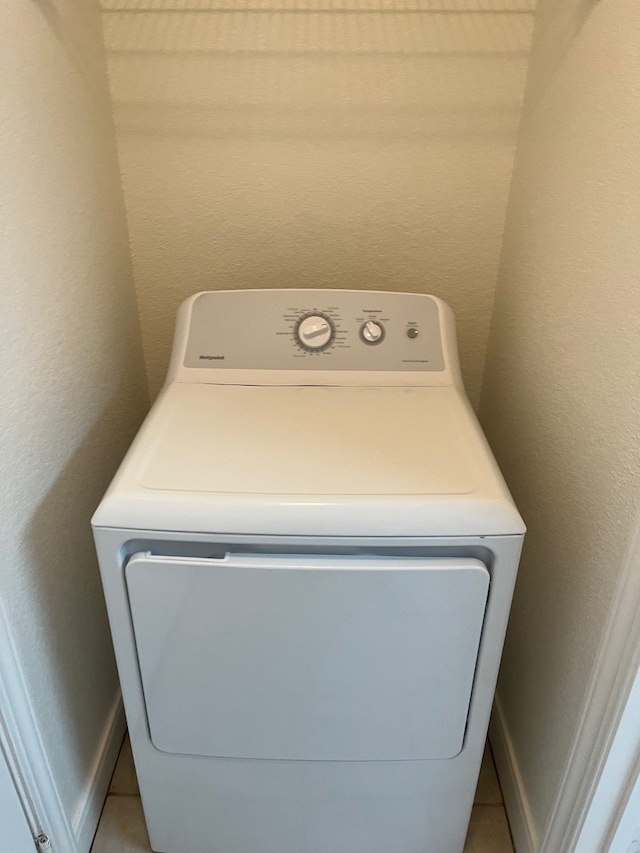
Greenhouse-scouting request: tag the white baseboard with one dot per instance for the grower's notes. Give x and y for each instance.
(85, 821)
(525, 836)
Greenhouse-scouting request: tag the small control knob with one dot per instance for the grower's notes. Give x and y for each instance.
(372, 332)
(314, 332)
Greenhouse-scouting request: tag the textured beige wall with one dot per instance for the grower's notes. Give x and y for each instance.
(366, 149)
(561, 397)
(73, 386)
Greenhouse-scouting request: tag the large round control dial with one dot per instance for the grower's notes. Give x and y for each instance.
(371, 332)
(314, 332)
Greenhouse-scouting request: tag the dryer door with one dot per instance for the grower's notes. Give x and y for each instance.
(307, 657)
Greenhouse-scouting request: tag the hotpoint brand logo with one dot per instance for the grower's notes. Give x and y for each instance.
(211, 357)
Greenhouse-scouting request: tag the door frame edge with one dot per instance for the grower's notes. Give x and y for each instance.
(22, 745)
(612, 680)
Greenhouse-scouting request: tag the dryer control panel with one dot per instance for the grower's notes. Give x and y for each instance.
(314, 331)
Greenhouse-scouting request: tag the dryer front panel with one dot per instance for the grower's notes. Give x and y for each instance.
(307, 657)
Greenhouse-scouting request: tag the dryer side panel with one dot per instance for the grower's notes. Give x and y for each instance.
(307, 658)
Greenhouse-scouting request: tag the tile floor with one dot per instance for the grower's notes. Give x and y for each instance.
(122, 828)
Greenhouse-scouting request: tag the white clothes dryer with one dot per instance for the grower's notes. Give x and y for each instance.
(308, 558)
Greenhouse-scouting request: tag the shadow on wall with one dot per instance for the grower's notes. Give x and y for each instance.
(317, 69)
(76, 25)
(558, 33)
(66, 586)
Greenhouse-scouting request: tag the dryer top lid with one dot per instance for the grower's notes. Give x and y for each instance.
(311, 460)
